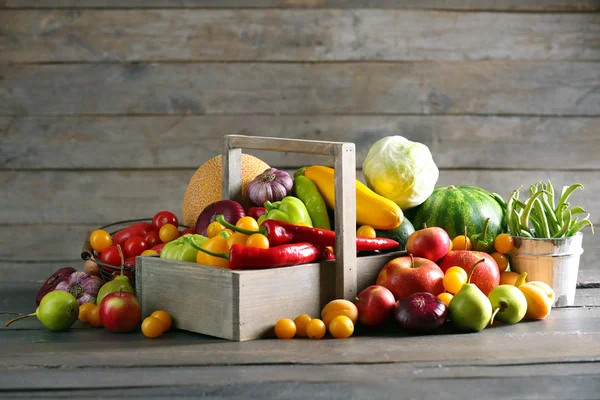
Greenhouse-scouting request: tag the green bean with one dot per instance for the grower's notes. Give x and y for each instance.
(509, 216)
(526, 233)
(580, 225)
(520, 204)
(577, 210)
(515, 228)
(540, 210)
(553, 224)
(565, 227)
(529, 206)
(550, 190)
(567, 192)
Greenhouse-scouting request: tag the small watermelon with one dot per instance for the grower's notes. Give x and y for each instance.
(399, 234)
(453, 207)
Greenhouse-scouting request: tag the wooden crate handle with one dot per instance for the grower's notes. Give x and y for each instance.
(344, 157)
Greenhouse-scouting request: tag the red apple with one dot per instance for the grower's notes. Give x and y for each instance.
(374, 305)
(120, 312)
(407, 275)
(486, 275)
(430, 243)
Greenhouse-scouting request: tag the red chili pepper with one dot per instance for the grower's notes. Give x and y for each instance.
(281, 232)
(244, 257)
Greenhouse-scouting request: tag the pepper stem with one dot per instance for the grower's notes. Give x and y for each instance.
(18, 318)
(210, 253)
(473, 269)
(222, 221)
(485, 226)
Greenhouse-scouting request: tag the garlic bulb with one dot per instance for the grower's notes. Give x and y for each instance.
(82, 286)
(271, 185)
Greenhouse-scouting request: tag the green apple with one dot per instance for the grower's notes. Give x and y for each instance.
(509, 304)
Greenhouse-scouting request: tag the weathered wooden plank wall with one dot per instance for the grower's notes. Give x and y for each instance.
(108, 107)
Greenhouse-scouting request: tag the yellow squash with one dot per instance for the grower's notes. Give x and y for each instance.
(371, 208)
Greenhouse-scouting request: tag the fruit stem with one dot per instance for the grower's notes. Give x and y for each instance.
(473, 269)
(424, 225)
(18, 318)
(493, 315)
(466, 237)
(412, 261)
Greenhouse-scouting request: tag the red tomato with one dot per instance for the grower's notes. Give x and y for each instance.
(130, 262)
(111, 256)
(187, 231)
(138, 229)
(152, 239)
(162, 218)
(135, 246)
(158, 248)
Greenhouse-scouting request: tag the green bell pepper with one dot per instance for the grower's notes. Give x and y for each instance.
(181, 249)
(290, 209)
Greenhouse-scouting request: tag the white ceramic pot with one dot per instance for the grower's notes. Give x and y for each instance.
(554, 261)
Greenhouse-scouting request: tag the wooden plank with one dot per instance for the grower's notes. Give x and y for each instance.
(562, 381)
(567, 335)
(273, 35)
(188, 141)
(510, 5)
(494, 87)
(112, 196)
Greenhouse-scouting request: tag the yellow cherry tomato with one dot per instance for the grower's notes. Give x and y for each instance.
(149, 252)
(152, 327)
(366, 231)
(237, 238)
(213, 229)
(504, 243)
(445, 298)
(258, 240)
(168, 232)
(285, 328)
(341, 327)
(84, 311)
(315, 329)
(216, 244)
(458, 270)
(453, 281)
(458, 243)
(164, 317)
(301, 322)
(93, 317)
(501, 260)
(100, 240)
(247, 223)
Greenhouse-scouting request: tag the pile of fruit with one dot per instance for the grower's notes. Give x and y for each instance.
(432, 286)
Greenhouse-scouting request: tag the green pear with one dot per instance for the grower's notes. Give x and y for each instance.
(58, 310)
(470, 309)
(120, 282)
(509, 304)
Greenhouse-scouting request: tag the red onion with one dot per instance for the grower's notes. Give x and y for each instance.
(231, 210)
(271, 185)
(420, 312)
(50, 284)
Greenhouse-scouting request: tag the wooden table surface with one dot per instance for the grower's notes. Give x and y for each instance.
(558, 358)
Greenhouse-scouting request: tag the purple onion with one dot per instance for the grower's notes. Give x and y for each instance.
(231, 210)
(420, 313)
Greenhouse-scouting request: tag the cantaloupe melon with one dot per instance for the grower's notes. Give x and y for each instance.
(205, 186)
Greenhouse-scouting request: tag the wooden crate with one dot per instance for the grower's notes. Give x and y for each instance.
(244, 305)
